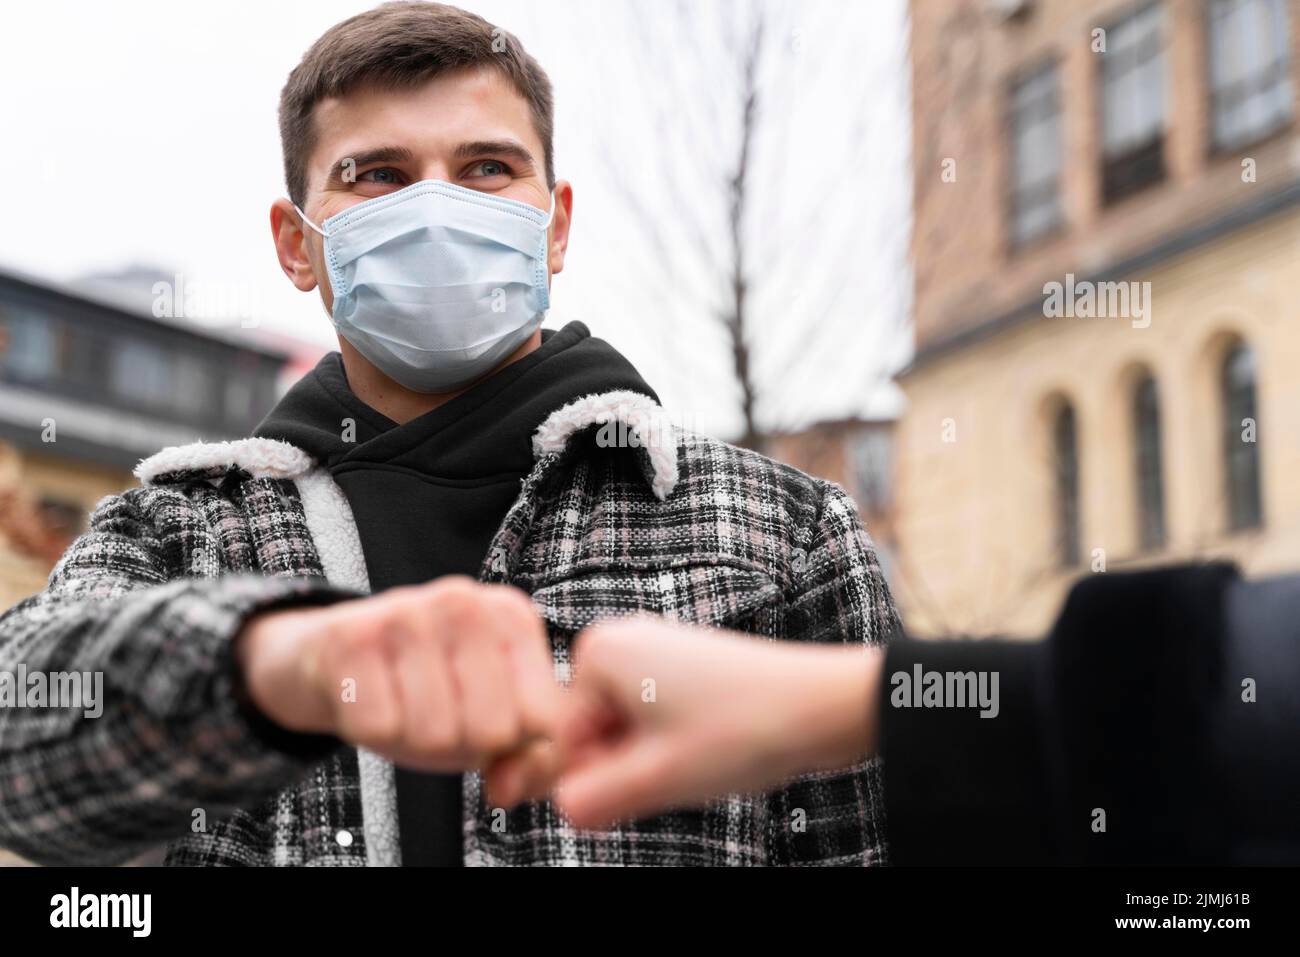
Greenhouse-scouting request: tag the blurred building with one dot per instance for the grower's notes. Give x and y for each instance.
(88, 387)
(858, 455)
(1106, 249)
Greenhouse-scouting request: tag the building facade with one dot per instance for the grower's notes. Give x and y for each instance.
(87, 389)
(1106, 250)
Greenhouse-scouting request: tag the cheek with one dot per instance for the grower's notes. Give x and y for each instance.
(316, 255)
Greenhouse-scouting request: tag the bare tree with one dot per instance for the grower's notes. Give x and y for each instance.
(735, 319)
(737, 101)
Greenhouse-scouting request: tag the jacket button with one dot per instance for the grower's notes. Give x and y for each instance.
(344, 838)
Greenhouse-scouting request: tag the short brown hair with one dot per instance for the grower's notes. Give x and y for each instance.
(396, 45)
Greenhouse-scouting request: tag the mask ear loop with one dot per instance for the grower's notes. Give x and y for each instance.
(549, 216)
(310, 223)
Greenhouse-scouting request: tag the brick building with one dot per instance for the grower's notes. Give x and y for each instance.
(1139, 163)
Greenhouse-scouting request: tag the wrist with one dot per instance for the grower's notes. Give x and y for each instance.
(843, 693)
(274, 661)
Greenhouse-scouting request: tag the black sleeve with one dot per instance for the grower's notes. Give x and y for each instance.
(961, 788)
(1101, 751)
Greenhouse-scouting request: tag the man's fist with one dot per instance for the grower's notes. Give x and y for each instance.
(438, 677)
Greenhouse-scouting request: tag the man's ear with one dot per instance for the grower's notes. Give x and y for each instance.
(290, 237)
(559, 241)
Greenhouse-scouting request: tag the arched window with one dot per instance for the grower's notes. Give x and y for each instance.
(1150, 471)
(1240, 433)
(1065, 448)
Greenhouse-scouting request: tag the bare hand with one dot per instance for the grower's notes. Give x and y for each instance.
(438, 677)
(661, 715)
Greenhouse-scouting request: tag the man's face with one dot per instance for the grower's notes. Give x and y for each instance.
(469, 127)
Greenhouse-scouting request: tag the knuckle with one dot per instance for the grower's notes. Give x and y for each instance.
(360, 643)
(335, 654)
(514, 602)
(433, 738)
(453, 589)
(460, 606)
(451, 583)
(517, 620)
(377, 727)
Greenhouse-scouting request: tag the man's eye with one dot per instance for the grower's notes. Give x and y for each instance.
(490, 168)
(385, 176)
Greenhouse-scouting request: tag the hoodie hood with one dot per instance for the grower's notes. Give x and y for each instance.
(487, 430)
(320, 414)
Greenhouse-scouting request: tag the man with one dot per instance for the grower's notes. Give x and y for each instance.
(259, 709)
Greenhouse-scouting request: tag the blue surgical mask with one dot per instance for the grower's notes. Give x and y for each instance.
(436, 284)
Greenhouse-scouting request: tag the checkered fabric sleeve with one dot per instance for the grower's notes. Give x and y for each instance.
(836, 817)
(842, 595)
(171, 746)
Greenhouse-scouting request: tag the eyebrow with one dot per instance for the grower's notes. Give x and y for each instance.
(400, 154)
(380, 154)
(511, 148)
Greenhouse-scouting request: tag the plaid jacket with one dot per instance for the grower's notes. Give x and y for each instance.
(660, 521)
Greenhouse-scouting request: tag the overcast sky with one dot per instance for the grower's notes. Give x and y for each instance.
(140, 132)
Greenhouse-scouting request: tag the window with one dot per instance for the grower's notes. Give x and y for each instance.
(239, 401)
(872, 457)
(1250, 84)
(1150, 472)
(194, 385)
(1065, 442)
(86, 356)
(27, 345)
(1240, 433)
(140, 372)
(1035, 155)
(1133, 104)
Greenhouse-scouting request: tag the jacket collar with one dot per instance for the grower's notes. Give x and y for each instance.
(622, 418)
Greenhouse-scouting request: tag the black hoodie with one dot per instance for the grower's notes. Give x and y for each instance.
(429, 495)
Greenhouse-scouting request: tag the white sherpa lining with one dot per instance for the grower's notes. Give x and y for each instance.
(644, 417)
(379, 810)
(273, 458)
(333, 529)
(260, 458)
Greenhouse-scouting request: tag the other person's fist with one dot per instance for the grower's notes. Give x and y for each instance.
(661, 715)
